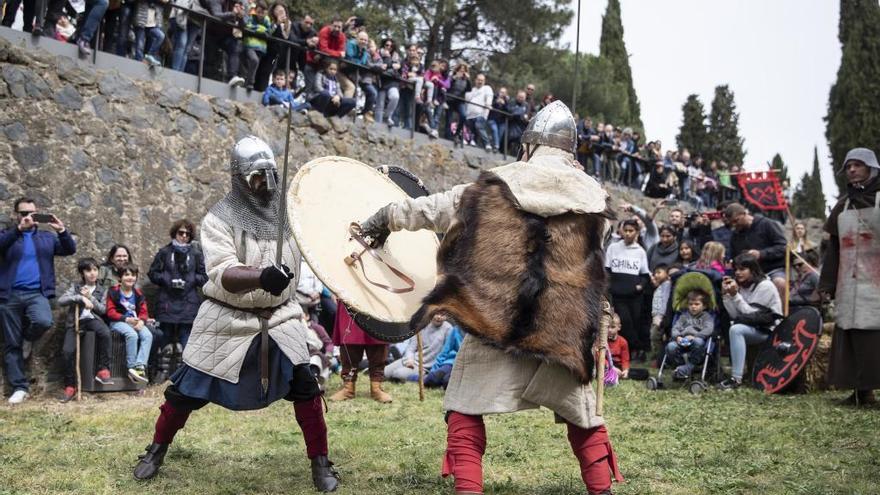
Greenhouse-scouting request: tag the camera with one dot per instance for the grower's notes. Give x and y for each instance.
(178, 284)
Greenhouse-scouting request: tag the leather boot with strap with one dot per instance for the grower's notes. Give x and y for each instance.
(378, 394)
(345, 393)
(324, 476)
(150, 462)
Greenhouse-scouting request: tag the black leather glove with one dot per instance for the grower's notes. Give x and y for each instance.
(376, 227)
(274, 280)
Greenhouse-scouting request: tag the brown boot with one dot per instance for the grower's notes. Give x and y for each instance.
(378, 394)
(345, 393)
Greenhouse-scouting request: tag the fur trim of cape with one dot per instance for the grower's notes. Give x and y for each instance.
(524, 283)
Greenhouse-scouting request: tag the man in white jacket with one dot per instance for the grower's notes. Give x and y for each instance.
(479, 103)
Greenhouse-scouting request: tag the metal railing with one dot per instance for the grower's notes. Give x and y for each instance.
(343, 63)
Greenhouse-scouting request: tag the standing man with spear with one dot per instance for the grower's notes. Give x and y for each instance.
(248, 347)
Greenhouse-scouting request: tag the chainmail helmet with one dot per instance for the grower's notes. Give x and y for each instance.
(552, 126)
(244, 206)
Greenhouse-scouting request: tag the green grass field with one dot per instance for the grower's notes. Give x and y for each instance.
(669, 442)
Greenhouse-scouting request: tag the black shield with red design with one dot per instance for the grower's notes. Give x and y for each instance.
(789, 349)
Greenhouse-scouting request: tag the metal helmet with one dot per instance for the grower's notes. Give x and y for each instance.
(251, 156)
(552, 126)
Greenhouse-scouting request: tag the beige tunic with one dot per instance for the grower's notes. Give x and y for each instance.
(486, 380)
(221, 335)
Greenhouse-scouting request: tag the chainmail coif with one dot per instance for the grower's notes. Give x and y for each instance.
(251, 212)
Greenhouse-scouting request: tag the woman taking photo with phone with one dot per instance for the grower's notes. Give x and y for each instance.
(753, 304)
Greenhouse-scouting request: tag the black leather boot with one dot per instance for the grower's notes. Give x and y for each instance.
(326, 478)
(149, 463)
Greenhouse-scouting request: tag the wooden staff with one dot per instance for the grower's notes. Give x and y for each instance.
(76, 335)
(421, 368)
(602, 346)
(787, 279)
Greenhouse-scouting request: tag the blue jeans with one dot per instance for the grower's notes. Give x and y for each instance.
(740, 336)
(370, 96)
(696, 352)
(182, 39)
(497, 129)
(96, 9)
(134, 355)
(460, 108)
(439, 377)
(22, 305)
(151, 37)
(479, 125)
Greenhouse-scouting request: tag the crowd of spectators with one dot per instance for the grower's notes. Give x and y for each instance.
(619, 156)
(339, 69)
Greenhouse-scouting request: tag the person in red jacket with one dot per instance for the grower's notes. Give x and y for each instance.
(619, 347)
(331, 39)
(127, 312)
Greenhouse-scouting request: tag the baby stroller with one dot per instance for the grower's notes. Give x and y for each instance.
(683, 285)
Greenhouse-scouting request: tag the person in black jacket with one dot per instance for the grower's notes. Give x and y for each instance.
(179, 271)
(760, 237)
(226, 38)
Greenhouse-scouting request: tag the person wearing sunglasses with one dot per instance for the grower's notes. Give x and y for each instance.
(27, 282)
(178, 269)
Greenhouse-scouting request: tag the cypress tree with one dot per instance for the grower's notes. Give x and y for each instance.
(853, 118)
(817, 196)
(692, 133)
(780, 167)
(724, 142)
(808, 200)
(612, 48)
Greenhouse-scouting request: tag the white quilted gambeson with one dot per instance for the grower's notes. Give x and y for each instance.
(221, 335)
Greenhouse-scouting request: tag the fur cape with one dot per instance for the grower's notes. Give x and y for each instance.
(521, 282)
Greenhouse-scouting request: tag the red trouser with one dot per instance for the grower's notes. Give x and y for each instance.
(309, 416)
(466, 443)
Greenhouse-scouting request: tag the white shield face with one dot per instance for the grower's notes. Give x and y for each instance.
(325, 197)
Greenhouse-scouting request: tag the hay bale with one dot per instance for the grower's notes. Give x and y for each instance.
(817, 368)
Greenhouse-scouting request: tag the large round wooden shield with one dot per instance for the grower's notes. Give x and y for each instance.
(788, 350)
(326, 197)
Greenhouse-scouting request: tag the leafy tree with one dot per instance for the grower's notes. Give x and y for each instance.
(808, 200)
(724, 142)
(692, 134)
(613, 49)
(853, 118)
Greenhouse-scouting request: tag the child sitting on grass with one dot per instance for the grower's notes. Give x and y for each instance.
(438, 375)
(89, 296)
(619, 347)
(127, 312)
(689, 335)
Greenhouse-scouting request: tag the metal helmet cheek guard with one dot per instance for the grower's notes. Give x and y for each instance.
(552, 126)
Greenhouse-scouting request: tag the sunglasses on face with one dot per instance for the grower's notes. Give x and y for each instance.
(184, 232)
(26, 213)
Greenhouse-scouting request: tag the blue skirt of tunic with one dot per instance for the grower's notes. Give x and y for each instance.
(247, 394)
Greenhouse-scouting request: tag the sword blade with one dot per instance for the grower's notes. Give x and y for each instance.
(282, 205)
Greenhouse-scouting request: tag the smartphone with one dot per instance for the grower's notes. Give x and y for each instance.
(43, 217)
